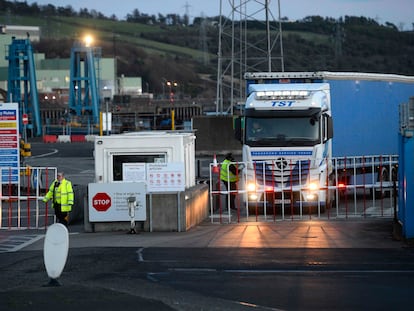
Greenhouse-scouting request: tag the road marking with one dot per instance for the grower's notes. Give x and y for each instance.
(15, 243)
(140, 256)
(92, 172)
(45, 154)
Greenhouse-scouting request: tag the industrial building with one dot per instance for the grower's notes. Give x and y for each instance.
(53, 80)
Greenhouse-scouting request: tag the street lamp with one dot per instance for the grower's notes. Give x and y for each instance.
(170, 85)
(88, 40)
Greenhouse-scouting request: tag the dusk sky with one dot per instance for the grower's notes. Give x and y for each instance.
(398, 12)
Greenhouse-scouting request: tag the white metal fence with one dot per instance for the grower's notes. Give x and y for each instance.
(21, 195)
(359, 187)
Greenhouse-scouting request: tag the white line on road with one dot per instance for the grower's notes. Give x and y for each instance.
(45, 154)
(15, 243)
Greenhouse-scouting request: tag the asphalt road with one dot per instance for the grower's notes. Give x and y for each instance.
(212, 279)
(75, 159)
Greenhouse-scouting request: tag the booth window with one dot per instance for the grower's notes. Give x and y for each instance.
(118, 160)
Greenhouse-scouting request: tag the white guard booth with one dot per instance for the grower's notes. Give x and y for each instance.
(136, 164)
(160, 147)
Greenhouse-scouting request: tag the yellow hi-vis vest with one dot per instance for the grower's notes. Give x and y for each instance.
(225, 173)
(63, 195)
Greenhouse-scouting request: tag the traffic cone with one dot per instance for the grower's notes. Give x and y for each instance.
(215, 165)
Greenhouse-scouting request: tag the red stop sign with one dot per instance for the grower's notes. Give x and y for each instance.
(25, 118)
(101, 202)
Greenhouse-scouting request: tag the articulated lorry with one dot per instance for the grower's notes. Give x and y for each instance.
(300, 129)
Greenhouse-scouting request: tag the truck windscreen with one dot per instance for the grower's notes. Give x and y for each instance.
(286, 131)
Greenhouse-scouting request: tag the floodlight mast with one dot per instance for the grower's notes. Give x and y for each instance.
(240, 52)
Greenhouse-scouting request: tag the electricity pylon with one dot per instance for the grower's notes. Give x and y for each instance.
(250, 40)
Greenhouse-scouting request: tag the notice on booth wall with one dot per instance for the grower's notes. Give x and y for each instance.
(165, 177)
(133, 172)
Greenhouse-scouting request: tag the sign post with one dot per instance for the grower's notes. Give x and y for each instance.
(25, 119)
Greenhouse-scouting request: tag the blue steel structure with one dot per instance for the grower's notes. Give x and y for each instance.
(84, 83)
(406, 170)
(22, 81)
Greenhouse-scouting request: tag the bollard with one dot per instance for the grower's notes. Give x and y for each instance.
(55, 252)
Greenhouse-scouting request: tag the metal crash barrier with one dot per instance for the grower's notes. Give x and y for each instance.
(21, 193)
(357, 188)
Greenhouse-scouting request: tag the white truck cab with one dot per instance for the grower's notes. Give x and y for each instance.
(286, 132)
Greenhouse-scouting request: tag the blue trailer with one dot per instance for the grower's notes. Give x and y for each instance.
(365, 110)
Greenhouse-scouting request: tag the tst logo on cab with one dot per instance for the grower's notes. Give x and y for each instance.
(288, 103)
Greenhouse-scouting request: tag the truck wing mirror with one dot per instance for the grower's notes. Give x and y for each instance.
(238, 129)
(329, 127)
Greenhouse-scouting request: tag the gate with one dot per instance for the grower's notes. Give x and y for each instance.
(357, 188)
(21, 194)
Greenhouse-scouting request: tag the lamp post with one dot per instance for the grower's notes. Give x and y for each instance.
(88, 40)
(170, 85)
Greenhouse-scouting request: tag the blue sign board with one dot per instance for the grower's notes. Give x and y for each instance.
(9, 143)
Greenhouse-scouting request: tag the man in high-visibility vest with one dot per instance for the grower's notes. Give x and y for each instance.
(229, 174)
(61, 193)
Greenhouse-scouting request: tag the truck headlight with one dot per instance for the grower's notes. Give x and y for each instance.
(314, 186)
(311, 196)
(251, 187)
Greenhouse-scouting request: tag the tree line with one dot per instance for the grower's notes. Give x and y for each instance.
(312, 23)
(23, 8)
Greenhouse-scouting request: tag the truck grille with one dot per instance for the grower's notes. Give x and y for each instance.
(282, 173)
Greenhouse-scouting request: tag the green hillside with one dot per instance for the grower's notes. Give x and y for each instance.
(187, 53)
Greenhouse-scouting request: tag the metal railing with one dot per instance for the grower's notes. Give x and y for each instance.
(21, 195)
(359, 187)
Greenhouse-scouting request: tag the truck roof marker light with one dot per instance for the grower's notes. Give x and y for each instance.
(279, 95)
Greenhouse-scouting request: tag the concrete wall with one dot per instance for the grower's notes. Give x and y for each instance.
(80, 192)
(215, 135)
(162, 212)
(194, 208)
(197, 206)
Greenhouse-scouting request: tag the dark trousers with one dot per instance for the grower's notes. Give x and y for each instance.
(233, 187)
(62, 217)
